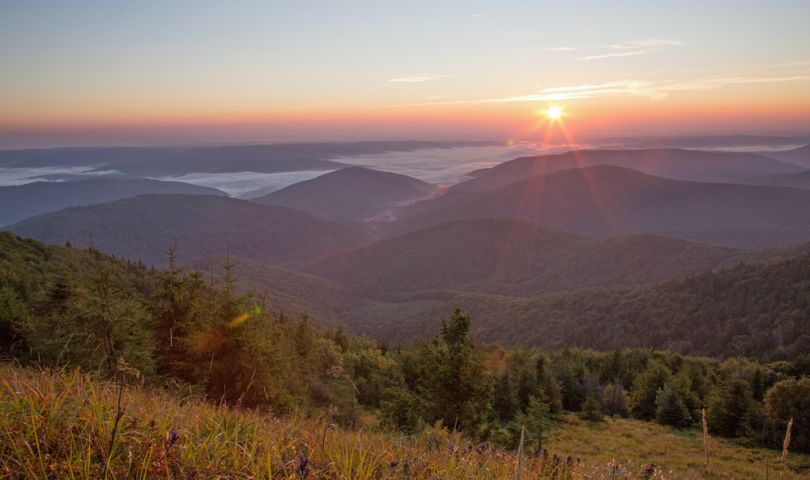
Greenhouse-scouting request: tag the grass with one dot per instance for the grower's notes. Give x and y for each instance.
(673, 450)
(58, 424)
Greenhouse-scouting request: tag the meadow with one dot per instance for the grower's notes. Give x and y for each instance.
(65, 424)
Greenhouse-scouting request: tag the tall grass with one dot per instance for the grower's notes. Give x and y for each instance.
(59, 424)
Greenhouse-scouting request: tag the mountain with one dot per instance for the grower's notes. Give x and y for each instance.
(23, 201)
(513, 257)
(607, 201)
(350, 194)
(793, 180)
(696, 165)
(142, 228)
(798, 156)
(756, 310)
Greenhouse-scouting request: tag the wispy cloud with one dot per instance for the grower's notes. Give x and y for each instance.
(638, 88)
(478, 15)
(654, 90)
(629, 45)
(420, 77)
(629, 48)
(611, 55)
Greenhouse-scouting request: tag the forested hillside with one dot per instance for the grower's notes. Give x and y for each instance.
(516, 258)
(350, 194)
(607, 201)
(756, 310)
(23, 201)
(203, 226)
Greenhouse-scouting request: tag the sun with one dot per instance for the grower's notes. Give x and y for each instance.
(554, 113)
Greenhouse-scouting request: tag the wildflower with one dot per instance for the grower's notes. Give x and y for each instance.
(171, 438)
(393, 463)
(481, 447)
(303, 465)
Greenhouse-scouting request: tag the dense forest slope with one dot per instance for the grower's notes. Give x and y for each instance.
(350, 194)
(608, 201)
(23, 201)
(758, 310)
(515, 257)
(143, 228)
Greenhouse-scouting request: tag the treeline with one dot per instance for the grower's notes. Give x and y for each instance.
(182, 329)
(752, 310)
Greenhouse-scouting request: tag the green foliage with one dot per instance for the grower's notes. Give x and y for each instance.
(670, 407)
(646, 388)
(456, 384)
(591, 409)
(788, 399)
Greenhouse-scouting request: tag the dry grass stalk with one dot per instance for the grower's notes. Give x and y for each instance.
(705, 437)
(520, 454)
(785, 446)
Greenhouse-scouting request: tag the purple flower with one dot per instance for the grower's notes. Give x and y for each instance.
(393, 463)
(172, 437)
(481, 447)
(303, 465)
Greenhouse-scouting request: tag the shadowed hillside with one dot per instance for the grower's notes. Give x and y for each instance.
(350, 194)
(754, 310)
(794, 180)
(798, 156)
(607, 201)
(695, 165)
(514, 257)
(24, 201)
(142, 228)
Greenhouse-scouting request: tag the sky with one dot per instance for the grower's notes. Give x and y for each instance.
(156, 72)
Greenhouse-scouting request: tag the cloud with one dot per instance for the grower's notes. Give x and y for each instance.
(649, 42)
(629, 45)
(654, 90)
(638, 88)
(611, 55)
(616, 50)
(478, 15)
(421, 77)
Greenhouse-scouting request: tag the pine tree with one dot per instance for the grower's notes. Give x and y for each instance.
(645, 390)
(670, 407)
(457, 385)
(591, 409)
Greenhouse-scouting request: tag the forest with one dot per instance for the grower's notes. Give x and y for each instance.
(186, 332)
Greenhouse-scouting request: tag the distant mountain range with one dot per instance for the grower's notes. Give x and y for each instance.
(695, 165)
(144, 227)
(606, 201)
(351, 194)
(24, 201)
(170, 161)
